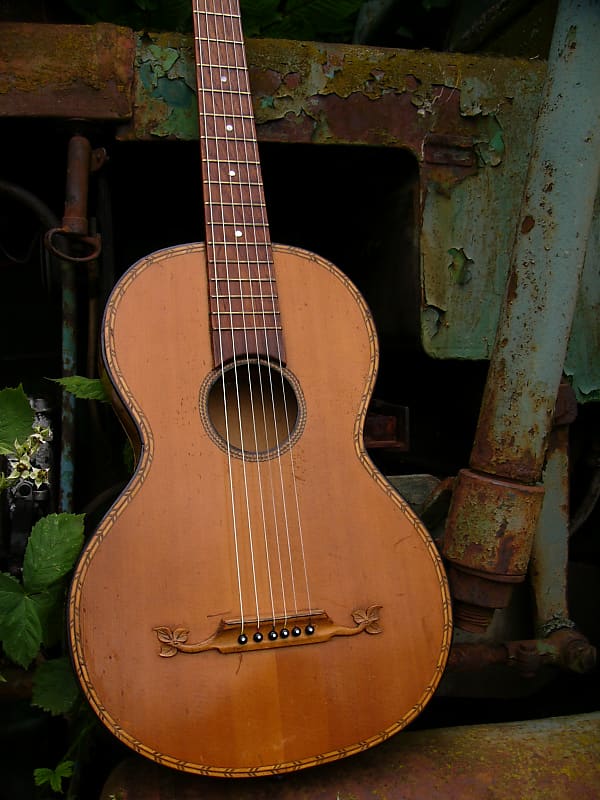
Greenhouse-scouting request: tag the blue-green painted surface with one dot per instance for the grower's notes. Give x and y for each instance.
(476, 217)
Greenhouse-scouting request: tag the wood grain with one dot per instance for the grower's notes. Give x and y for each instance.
(165, 553)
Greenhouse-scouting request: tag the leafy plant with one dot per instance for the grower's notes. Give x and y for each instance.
(84, 388)
(53, 777)
(28, 607)
(32, 605)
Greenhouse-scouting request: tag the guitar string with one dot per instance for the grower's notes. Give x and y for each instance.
(241, 73)
(222, 69)
(286, 414)
(209, 208)
(252, 142)
(296, 503)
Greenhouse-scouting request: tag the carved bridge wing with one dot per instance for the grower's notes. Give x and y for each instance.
(305, 628)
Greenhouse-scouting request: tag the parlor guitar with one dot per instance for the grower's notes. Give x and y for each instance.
(258, 599)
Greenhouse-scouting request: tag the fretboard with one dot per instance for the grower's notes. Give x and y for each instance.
(244, 310)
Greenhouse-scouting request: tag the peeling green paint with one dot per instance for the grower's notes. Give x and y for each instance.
(432, 320)
(582, 364)
(459, 266)
(267, 102)
(166, 86)
(327, 93)
(162, 58)
(491, 148)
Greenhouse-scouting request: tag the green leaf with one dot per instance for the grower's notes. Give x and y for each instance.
(21, 630)
(84, 388)
(54, 687)
(54, 777)
(11, 594)
(54, 544)
(16, 418)
(50, 609)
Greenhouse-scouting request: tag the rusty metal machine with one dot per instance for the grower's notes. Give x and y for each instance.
(470, 182)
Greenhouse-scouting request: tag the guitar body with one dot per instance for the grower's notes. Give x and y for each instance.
(170, 561)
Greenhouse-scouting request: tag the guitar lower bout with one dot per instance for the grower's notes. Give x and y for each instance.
(294, 530)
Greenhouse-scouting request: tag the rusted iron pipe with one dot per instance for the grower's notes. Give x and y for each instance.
(73, 233)
(565, 648)
(550, 551)
(497, 502)
(79, 159)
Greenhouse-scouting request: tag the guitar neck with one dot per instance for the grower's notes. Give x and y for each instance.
(245, 318)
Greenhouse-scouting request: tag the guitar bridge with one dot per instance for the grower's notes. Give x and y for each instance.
(237, 636)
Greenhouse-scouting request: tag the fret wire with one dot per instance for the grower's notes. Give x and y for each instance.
(249, 204)
(233, 161)
(207, 13)
(267, 262)
(228, 139)
(243, 297)
(240, 224)
(249, 330)
(204, 65)
(251, 313)
(228, 162)
(230, 178)
(213, 40)
(221, 267)
(247, 184)
(219, 90)
(236, 243)
(215, 114)
(242, 279)
(262, 262)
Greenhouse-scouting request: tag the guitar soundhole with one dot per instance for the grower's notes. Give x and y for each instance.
(252, 409)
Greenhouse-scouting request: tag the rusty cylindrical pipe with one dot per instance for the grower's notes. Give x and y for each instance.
(79, 156)
(496, 504)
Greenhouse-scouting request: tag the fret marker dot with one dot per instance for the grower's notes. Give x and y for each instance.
(223, 78)
(228, 127)
(232, 172)
(238, 233)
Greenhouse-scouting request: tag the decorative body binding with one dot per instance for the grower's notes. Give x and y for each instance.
(112, 655)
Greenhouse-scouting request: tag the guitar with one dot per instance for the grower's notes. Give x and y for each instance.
(258, 599)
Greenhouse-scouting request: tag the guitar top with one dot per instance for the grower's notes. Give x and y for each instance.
(259, 599)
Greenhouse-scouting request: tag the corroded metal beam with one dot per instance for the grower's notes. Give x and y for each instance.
(83, 71)
(557, 759)
(467, 120)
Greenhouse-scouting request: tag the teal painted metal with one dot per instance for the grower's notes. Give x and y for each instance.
(334, 94)
(548, 255)
(69, 352)
(582, 363)
(526, 366)
(549, 555)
